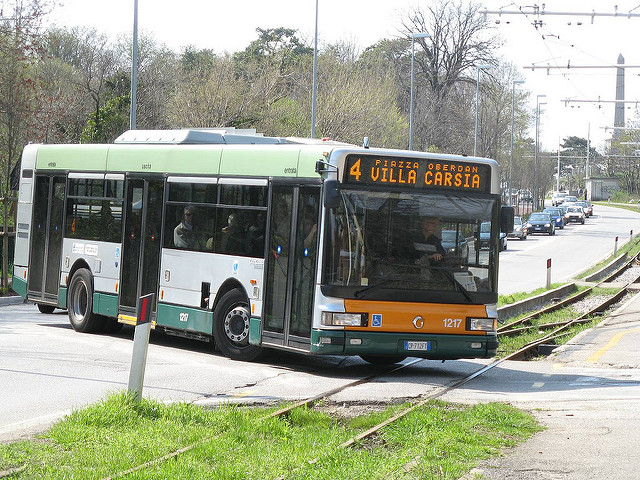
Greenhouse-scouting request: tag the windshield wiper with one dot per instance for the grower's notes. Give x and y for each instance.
(358, 293)
(461, 287)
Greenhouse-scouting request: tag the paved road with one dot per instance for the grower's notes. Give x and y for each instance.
(523, 266)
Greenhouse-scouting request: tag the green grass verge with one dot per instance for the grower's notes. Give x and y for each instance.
(439, 440)
(519, 296)
(508, 344)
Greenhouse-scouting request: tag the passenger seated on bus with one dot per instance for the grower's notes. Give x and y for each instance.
(255, 234)
(309, 227)
(234, 238)
(185, 234)
(428, 248)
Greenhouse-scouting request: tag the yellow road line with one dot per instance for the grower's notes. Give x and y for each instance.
(610, 344)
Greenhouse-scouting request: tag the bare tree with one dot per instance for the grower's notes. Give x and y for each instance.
(458, 41)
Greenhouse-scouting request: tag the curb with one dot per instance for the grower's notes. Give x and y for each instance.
(12, 300)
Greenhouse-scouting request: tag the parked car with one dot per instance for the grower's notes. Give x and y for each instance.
(556, 215)
(485, 236)
(519, 229)
(586, 206)
(558, 198)
(575, 213)
(453, 247)
(540, 222)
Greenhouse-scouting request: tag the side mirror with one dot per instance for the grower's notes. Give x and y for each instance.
(506, 218)
(331, 194)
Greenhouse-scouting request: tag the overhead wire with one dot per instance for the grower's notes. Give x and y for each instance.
(546, 35)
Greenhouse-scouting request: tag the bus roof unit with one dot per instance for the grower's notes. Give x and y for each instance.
(216, 136)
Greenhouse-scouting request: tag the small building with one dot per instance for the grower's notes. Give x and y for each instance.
(601, 188)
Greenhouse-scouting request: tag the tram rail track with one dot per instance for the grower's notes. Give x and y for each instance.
(558, 330)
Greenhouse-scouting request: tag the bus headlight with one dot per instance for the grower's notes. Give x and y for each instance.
(344, 319)
(482, 324)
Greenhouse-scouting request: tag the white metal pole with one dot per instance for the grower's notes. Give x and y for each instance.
(558, 179)
(411, 101)
(475, 136)
(314, 95)
(413, 41)
(134, 68)
(513, 109)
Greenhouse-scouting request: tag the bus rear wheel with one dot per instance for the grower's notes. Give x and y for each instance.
(80, 303)
(231, 327)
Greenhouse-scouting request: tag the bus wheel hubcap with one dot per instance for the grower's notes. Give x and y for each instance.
(236, 324)
(79, 305)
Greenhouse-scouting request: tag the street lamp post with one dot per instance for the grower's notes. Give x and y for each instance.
(134, 68)
(475, 141)
(513, 108)
(314, 94)
(537, 146)
(413, 41)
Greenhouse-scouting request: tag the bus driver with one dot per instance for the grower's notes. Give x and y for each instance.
(429, 249)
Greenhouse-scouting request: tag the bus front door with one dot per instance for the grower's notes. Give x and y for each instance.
(291, 266)
(46, 239)
(141, 243)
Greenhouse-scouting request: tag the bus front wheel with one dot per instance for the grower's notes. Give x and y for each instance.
(80, 303)
(231, 327)
(44, 308)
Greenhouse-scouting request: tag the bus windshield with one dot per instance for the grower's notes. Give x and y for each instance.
(410, 245)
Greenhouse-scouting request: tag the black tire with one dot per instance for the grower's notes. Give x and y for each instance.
(80, 303)
(582, 222)
(382, 359)
(46, 308)
(231, 327)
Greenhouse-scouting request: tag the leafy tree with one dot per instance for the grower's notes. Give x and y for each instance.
(354, 103)
(622, 160)
(573, 169)
(19, 46)
(94, 62)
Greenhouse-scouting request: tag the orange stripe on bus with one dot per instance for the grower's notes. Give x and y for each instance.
(415, 317)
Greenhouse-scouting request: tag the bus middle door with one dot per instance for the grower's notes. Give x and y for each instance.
(291, 266)
(141, 243)
(46, 241)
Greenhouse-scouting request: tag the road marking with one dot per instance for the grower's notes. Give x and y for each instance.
(612, 343)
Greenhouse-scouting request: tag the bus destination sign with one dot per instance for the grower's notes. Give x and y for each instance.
(420, 173)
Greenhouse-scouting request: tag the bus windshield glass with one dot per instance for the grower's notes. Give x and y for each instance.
(413, 246)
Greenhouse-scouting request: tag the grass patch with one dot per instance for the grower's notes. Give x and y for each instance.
(438, 440)
(519, 296)
(510, 344)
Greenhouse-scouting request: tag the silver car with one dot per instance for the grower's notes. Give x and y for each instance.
(519, 229)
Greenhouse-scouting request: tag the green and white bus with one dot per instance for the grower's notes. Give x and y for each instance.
(254, 242)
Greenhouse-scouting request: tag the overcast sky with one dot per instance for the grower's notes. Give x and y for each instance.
(231, 26)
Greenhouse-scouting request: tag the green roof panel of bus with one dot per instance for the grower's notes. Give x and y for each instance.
(80, 157)
(186, 159)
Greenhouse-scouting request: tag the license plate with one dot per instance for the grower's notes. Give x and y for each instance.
(421, 346)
